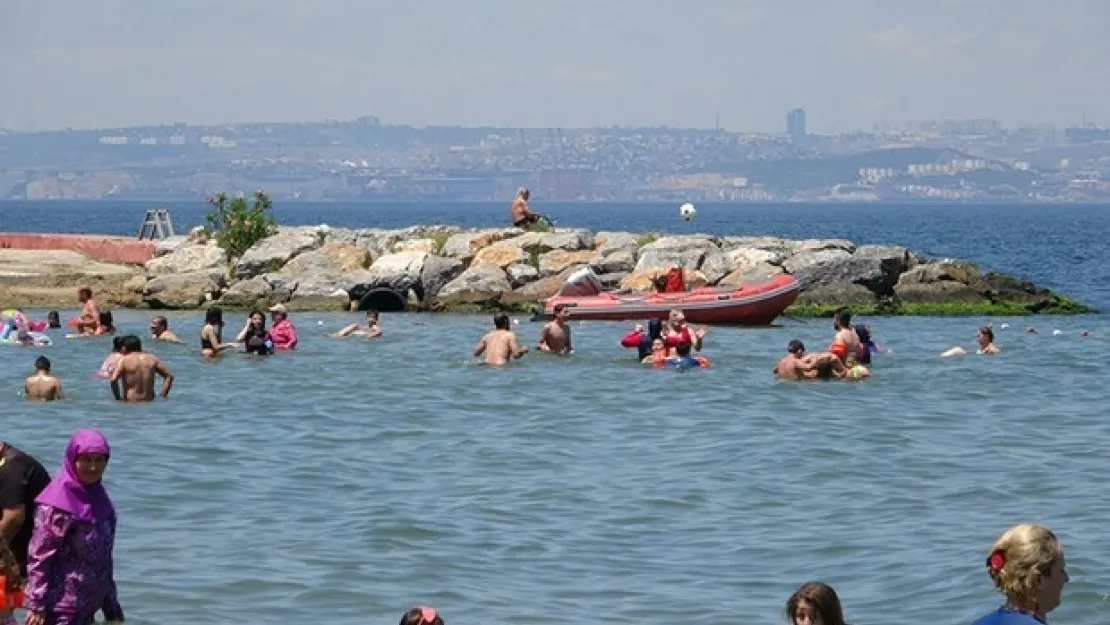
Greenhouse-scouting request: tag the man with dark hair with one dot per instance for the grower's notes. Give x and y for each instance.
(499, 345)
(22, 478)
(42, 386)
(790, 366)
(137, 370)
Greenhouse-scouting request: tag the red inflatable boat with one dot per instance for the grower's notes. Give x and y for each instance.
(745, 304)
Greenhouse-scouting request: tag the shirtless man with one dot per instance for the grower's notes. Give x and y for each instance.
(790, 367)
(137, 369)
(371, 331)
(160, 330)
(499, 345)
(89, 319)
(555, 335)
(845, 343)
(518, 210)
(42, 386)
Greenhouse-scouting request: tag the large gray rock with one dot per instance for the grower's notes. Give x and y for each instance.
(245, 294)
(743, 256)
(521, 274)
(319, 294)
(399, 272)
(876, 267)
(483, 282)
(716, 265)
(751, 273)
(608, 243)
(182, 290)
(620, 261)
(281, 285)
(556, 262)
(169, 244)
(331, 260)
(839, 294)
(464, 245)
(940, 271)
(571, 240)
(945, 292)
(437, 272)
(816, 245)
(777, 245)
(188, 258)
(271, 253)
(687, 252)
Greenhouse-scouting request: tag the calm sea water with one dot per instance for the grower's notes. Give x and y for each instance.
(352, 479)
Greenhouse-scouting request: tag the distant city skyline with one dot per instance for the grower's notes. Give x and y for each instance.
(743, 63)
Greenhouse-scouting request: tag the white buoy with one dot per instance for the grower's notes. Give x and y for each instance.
(687, 211)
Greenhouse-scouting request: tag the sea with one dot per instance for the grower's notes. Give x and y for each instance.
(351, 479)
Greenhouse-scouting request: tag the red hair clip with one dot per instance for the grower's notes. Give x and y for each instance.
(427, 615)
(996, 560)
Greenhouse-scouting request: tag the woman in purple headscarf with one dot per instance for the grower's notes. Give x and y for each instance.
(69, 563)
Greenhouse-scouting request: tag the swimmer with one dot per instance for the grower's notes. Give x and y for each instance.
(658, 355)
(105, 323)
(137, 370)
(53, 320)
(109, 364)
(682, 357)
(555, 335)
(254, 336)
(89, 318)
(845, 342)
(42, 386)
(211, 335)
(676, 331)
(160, 330)
(789, 367)
(500, 345)
(984, 338)
(371, 331)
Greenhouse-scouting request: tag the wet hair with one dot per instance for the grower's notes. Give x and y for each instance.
(214, 316)
(259, 313)
(160, 321)
(42, 363)
(117, 343)
(655, 328)
(9, 569)
(987, 332)
(1028, 552)
(501, 321)
(683, 349)
(824, 369)
(796, 347)
(422, 615)
(132, 343)
(819, 596)
(844, 318)
(84, 292)
(559, 308)
(523, 192)
(53, 318)
(373, 312)
(106, 319)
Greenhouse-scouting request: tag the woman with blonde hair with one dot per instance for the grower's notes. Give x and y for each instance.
(1026, 564)
(815, 603)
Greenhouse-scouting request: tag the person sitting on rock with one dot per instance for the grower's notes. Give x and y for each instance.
(519, 213)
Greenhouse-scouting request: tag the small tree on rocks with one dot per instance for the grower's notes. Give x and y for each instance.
(237, 224)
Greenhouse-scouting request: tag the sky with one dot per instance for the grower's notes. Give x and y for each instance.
(555, 63)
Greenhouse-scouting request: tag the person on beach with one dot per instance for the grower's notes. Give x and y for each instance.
(254, 336)
(421, 615)
(984, 338)
(42, 386)
(11, 585)
(88, 320)
(815, 603)
(519, 213)
(211, 335)
(22, 478)
(555, 335)
(70, 573)
(160, 330)
(371, 330)
(282, 331)
(112, 359)
(1026, 564)
(500, 345)
(133, 378)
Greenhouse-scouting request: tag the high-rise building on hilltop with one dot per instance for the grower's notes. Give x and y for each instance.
(796, 126)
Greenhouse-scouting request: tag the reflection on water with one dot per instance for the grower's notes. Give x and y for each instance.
(354, 478)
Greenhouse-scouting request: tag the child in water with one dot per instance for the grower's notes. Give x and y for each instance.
(422, 615)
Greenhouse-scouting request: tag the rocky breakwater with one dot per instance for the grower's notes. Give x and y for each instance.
(448, 268)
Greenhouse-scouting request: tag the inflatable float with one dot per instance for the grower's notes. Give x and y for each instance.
(756, 304)
(16, 329)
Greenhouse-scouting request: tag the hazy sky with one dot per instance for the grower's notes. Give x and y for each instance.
(848, 63)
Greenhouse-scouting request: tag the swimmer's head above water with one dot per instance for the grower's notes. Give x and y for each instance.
(501, 321)
(796, 347)
(422, 615)
(42, 364)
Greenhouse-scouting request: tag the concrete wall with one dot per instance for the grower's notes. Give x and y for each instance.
(108, 249)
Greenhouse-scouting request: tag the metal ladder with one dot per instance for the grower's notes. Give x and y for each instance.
(158, 220)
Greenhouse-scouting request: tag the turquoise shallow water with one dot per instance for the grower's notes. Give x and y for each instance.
(352, 479)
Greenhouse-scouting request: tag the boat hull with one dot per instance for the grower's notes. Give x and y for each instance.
(748, 304)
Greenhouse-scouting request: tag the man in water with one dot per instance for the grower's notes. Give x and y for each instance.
(42, 386)
(790, 366)
(89, 319)
(676, 331)
(519, 213)
(22, 479)
(137, 370)
(160, 330)
(499, 345)
(555, 335)
(845, 342)
(371, 331)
